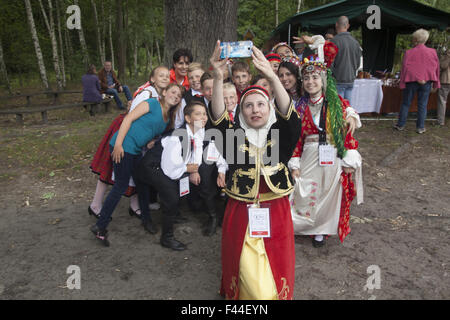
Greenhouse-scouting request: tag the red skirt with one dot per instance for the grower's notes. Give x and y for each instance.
(280, 247)
(102, 163)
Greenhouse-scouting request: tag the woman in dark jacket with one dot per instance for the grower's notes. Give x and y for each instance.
(91, 86)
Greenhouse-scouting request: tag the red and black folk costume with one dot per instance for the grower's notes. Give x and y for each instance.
(259, 268)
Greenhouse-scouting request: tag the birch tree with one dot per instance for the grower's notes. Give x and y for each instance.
(110, 39)
(83, 42)
(98, 33)
(51, 30)
(61, 44)
(37, 46)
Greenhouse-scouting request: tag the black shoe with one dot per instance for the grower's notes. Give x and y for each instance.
(134, 213)
(149, 226)
(172, 243)
(210, 228)
(318, 244)
(97, 216)
(92, 213)
(101, 235)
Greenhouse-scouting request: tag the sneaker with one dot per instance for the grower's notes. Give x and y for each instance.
(154, 206)
(397, 127)
(420, 130)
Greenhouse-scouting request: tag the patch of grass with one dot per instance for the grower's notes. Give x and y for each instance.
(54, 148)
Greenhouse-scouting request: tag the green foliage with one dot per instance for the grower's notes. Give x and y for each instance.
(144, 19)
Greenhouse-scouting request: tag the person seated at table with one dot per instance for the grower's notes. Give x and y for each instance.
(111, 85)
(91, 85)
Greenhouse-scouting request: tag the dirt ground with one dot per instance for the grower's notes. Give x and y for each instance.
(402, 227)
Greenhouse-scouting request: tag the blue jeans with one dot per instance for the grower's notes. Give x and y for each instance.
(345, 90)
(115, 93)
(122, 173)
(423, 92)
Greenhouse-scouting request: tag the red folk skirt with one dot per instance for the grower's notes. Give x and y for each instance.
(280, 247)
(102, 163)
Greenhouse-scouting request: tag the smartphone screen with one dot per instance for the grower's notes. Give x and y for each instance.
(237, 49)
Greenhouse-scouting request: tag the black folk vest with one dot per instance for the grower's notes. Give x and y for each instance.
(247, 164)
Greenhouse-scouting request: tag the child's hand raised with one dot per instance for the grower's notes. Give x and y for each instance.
(261, 63)
(218, 64)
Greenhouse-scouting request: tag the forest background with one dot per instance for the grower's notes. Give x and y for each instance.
(131, 33)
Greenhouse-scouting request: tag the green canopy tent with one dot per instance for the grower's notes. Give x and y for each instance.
(399, 16)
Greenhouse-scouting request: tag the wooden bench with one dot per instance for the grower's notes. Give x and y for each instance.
(20, 111)
(54, 94)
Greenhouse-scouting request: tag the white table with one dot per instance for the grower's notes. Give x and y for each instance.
(367, 95)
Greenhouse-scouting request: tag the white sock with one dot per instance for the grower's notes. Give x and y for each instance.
(100, 190)
(318, 237)
(134, 203)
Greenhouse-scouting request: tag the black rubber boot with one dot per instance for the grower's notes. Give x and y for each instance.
(167, 237)
(211, 225)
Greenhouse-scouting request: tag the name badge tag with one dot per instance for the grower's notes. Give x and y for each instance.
(184, 186)
(259, 222)
(213, 154)
(326, 155)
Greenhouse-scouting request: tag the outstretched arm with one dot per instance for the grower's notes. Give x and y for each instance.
(281, 96)
(218, 105)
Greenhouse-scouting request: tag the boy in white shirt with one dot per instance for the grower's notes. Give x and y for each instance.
(170, 162)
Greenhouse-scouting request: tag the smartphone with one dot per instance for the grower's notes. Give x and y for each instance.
(237, 49)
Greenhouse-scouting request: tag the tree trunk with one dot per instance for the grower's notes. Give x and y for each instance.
(97, 33)
(61, 60)
(103, 35)
(3, 70)
(37, 47)
(51, 31)
(122, 54)
(135, 55)
(299, 6)
(159, 53)
(111, 41)
(83, 42)
(202, 22)
(151, 54)
(276, 13)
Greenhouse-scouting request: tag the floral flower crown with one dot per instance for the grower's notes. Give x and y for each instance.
(313, 65)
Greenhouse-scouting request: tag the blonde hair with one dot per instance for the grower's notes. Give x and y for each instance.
(420, 36)
(229, 86)
(195, 66)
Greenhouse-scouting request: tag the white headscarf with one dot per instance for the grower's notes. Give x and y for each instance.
(257, 137)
